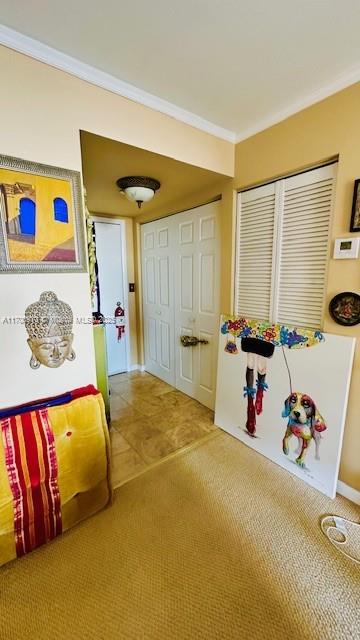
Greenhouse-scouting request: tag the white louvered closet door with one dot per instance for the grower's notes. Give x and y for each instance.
(304, 243)
(282, 248)
(255, 255)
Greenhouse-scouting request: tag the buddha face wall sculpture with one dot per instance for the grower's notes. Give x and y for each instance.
(49, 323)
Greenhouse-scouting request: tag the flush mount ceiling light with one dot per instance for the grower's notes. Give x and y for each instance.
(138, 188)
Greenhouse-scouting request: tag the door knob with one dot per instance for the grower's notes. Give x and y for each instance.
(191, 341)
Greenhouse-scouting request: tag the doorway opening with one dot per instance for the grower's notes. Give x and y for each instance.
(152, 417)
(111, 296)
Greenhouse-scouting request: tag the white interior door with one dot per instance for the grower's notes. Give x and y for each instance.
(197, 287)
(180, 263)
(158, 298)
(109, 254)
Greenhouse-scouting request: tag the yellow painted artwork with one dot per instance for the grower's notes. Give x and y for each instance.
(38, 218)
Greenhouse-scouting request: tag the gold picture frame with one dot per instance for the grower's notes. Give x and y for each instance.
(41, 218)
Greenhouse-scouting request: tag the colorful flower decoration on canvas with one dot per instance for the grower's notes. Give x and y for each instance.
(276, 334)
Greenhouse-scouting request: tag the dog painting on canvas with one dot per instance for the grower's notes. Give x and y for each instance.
(305, 423)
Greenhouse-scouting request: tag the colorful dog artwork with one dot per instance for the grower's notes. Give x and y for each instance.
(257, 358)
(305, 423)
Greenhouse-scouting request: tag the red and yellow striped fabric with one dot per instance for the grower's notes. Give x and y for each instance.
(54, 468)
(32, 468)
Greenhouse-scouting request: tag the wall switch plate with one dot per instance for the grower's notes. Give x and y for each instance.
(346, 248)
(131, 287)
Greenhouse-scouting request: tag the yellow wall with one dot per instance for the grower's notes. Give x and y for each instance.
(55, 233)
(45, 111)
(325, 130)
(42, 116)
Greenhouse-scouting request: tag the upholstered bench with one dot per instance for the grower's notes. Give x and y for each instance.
(54, 468)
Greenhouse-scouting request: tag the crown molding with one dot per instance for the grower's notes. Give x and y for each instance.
(341, 82)
(42, 52)
(54, 58)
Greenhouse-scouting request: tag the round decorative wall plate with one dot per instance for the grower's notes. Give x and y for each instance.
(345, 308)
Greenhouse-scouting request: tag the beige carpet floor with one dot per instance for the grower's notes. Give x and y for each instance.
(216, 543)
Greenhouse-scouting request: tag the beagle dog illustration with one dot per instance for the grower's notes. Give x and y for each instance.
(305, 422)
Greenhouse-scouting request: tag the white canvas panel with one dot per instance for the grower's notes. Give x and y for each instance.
(322, 372)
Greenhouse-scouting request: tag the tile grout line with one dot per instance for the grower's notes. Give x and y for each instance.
(169, 457)
(145, 392)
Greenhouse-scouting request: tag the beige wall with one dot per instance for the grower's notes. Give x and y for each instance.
(325, 130)
(42, 112)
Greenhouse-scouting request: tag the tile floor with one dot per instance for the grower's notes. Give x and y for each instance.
(149, 421)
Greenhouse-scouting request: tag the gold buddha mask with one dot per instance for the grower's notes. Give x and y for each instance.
(49, 324)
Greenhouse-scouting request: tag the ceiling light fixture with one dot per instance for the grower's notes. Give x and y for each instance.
(138, 188)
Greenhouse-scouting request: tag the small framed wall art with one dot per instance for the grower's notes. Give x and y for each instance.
(41, 218)
(355, 212)
(344, 308)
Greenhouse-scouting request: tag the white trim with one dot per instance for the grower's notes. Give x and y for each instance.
(341, 82)
(50, 56)
(234, 226)
(237, 254)
(104, 220)
(126, 291)
(277, 240)
(348, 492)
(42, 52)
(335, 167)
(137, 367)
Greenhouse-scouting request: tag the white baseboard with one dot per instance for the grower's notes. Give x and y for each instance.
(137, 367)
(348, 492)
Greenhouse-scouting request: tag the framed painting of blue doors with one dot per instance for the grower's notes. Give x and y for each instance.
(41, 218)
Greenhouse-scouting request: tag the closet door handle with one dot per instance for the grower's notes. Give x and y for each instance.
(192, 341)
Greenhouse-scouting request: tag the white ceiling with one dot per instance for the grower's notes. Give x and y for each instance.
(240, 64)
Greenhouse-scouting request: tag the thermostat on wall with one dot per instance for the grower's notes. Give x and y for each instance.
(346, 248)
